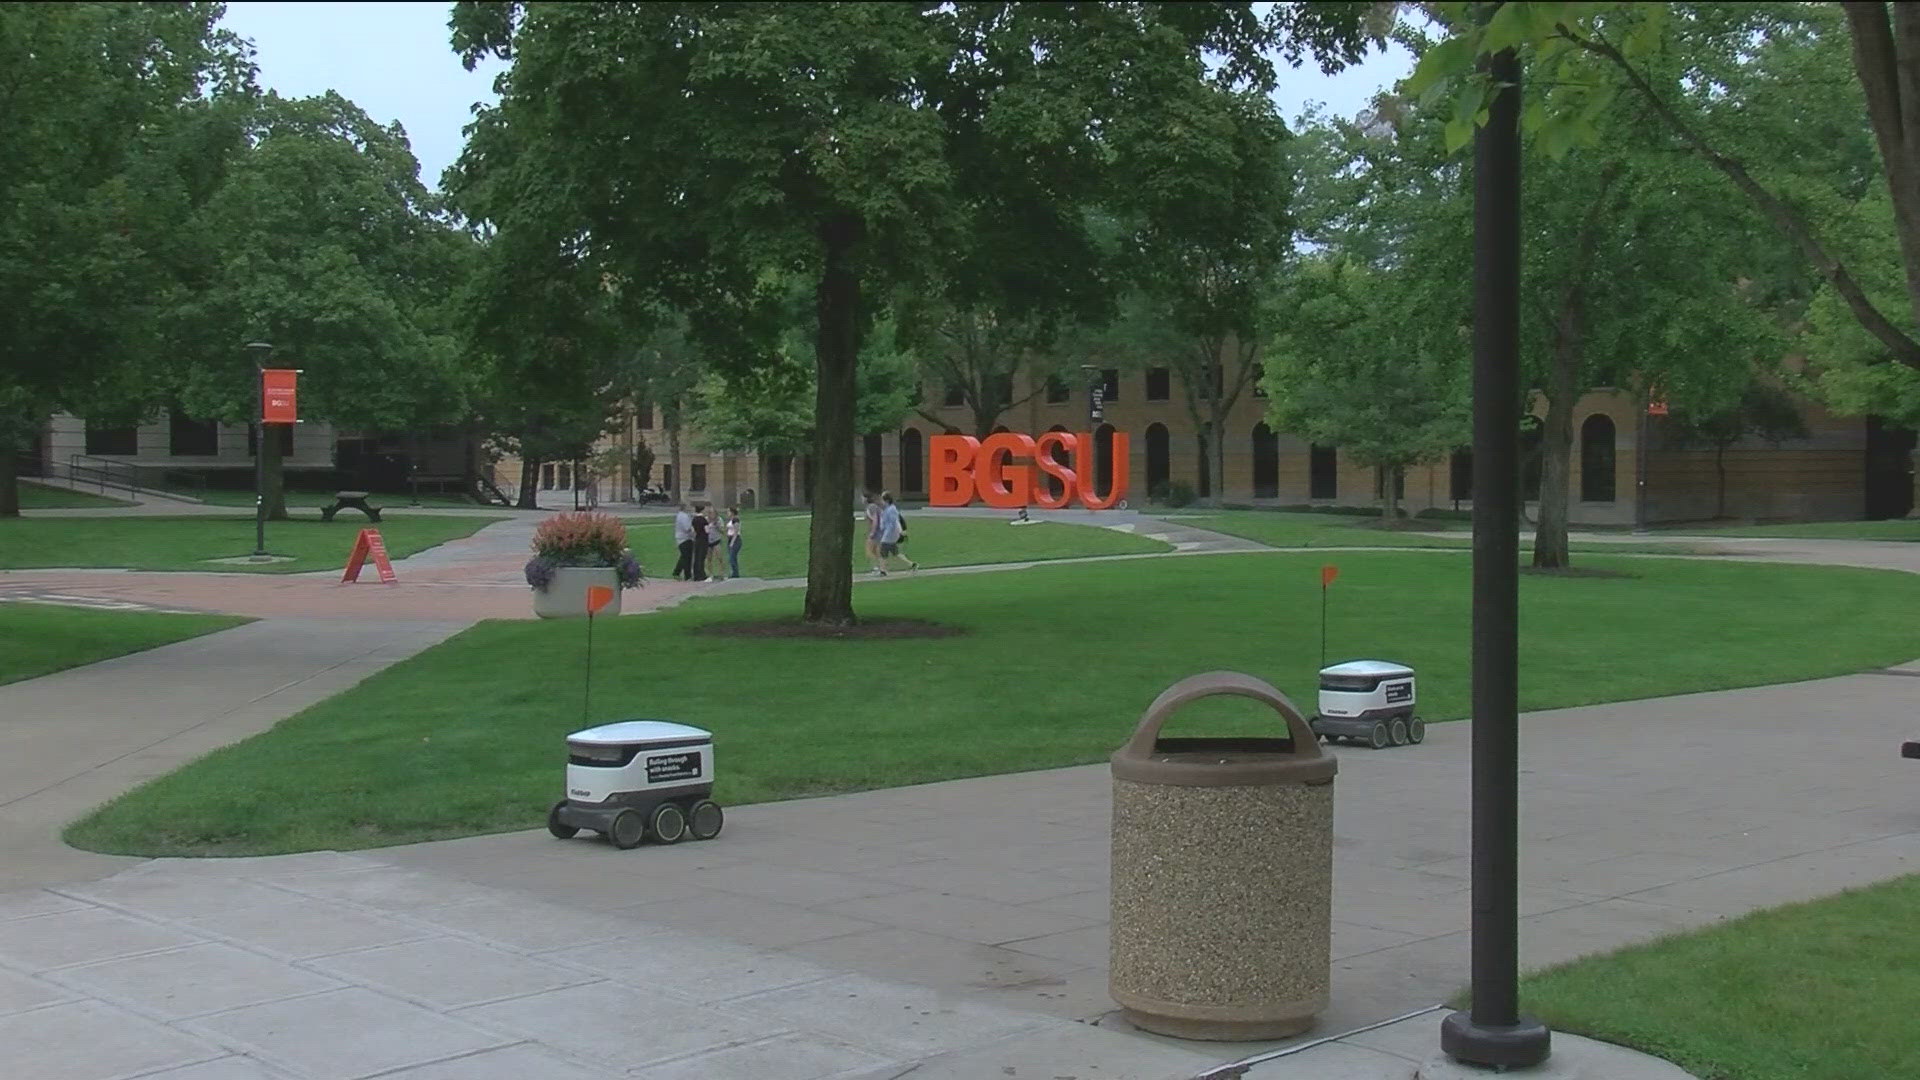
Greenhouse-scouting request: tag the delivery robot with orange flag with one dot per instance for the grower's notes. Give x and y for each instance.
(636, 779)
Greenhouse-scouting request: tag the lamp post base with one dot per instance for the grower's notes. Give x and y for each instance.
(1509, 1046)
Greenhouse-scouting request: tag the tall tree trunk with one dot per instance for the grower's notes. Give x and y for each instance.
(9, 478)
(1556, 460)
(836, 355)
(1389, 494)
(1886, 59)
(274, 472)
(529, 484)
(1217, 461)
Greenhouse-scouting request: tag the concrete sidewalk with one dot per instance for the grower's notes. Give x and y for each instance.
(950, 930)
(77, 738)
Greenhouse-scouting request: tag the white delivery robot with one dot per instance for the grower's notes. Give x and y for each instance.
(1368, 701)
(639, 778)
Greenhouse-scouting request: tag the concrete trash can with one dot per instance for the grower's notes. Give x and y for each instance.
(1222, 873)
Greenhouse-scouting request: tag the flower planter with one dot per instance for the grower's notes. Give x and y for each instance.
(566, 596)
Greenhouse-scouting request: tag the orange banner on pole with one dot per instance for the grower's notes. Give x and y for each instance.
(1327, 574)
(598, 596)
(279, 396)
(368, 544)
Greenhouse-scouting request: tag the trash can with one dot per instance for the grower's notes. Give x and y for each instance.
(1222, 873)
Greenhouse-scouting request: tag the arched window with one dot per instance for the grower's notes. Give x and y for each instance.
(1103, 459)
(876, 477)
(1159, 458)
(1596, 459)
(1206, 467)
(913, 469)
(1266, 462)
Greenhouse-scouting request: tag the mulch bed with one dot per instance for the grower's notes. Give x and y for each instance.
(864, 630)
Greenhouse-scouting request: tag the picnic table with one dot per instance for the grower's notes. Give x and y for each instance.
(355, 499)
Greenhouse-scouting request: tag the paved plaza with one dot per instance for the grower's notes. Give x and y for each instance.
(953, 930)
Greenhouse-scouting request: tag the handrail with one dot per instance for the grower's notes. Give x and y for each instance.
(130, 477)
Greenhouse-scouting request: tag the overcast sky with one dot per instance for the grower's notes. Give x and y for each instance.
(393, 60)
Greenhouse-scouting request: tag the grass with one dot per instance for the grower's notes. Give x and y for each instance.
(775, 543)
(45, 497)
(1907, 529)
(42, 638)
(1825, 990)
(187, 543)
(1283, 529)
(1055, 669)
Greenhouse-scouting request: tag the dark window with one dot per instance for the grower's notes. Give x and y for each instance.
(645, 418)
(1596, 459)
(1460, 476)
(104, 438)
(546, 477)
(1266, 462)
(666, 477)
(1159, 384)
(956, 396)
(1159, 463)
(912, 470)
(1206, 468)
(1259, 380)
(1110, 384)
(697, 474)
(282, 435)
(187, 437)
(876, 478)
(1323, 472)
(1057, 390)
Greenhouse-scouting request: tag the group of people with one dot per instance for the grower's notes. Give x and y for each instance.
(886, 531)
(698, 531)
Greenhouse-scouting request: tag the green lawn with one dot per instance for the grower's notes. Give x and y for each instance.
(1907, 529)
(1059, 662)
(186, 543)
(1826, 990)
(41, 638)
(1282, 529)
(42, 497)
(775, 542)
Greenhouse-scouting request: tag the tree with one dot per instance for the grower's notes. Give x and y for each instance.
(1763, 410)
(1355, 364)
(1206, 234)
(1672, 57)
(115, 125)
(692, 147)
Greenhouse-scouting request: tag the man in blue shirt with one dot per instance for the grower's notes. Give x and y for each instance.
(892, 531)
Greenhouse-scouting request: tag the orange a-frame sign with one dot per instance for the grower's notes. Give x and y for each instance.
(279, 396)
(369, 543)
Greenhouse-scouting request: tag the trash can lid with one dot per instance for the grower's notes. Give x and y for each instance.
(638, 733)
(1222, 762)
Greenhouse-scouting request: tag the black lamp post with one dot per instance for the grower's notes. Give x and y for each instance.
(1096, 395)
(260, 351)
(1493, 1033)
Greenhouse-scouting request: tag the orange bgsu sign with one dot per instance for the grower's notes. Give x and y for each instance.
(369, 543)
(1009, 470)
(278, 396)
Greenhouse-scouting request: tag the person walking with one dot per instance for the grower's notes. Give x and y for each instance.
(714, 529)
(892, 529)
(873, 533)
(700, 542)
(733, 541)
(683, 539)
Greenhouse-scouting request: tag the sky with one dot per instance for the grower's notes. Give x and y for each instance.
(393, 60)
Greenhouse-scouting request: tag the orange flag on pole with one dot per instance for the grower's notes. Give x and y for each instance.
(598, 596)
(1327, 574)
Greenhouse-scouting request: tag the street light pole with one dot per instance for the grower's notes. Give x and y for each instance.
(260, 351)
(1493, 1033)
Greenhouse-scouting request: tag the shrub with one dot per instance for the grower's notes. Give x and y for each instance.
(583, 539)
(1178, 493)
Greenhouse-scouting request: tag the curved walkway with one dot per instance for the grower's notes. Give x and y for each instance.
(947, 930)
